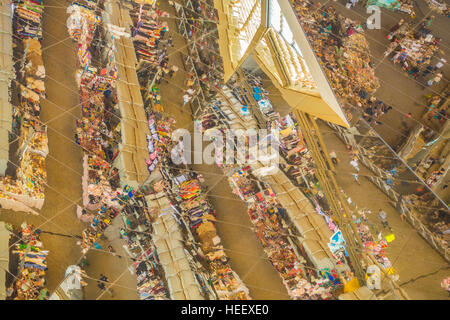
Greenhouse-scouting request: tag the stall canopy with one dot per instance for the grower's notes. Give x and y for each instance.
(173, 257)
(6, 74)
(133, 149)
(269, 31)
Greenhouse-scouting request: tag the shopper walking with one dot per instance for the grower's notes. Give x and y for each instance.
(354, 164)
(382, 215)
(186, 99)
(355, 177)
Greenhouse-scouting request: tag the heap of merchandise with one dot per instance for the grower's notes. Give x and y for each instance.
(29, 15)
(439, 6)
(341, 48)
(98, 130)
(148, 33)
(200, 217)
(413, 48)
(28, 189)
(406, 6)
(159, 141)
(30, 283)
(138, 224)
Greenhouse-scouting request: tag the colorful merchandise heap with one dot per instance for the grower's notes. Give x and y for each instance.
(29, 15)
(30, 280)
(98, 131)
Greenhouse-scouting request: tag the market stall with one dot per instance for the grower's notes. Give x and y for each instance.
(137, 231)
(199, 216)
(30, 280)
(27, 190)
(349, 69)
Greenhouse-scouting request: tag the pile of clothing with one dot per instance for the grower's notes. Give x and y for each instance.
(148, 32)
(29, 16)
(150, 41)
(30, 283)
(159, 142)
(414, 49)
(82, 24)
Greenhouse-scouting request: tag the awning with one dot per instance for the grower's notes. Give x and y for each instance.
(134, 127)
